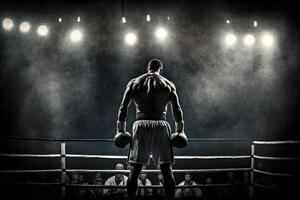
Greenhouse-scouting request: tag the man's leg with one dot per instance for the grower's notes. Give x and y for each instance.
(169, 181)
(132, 181)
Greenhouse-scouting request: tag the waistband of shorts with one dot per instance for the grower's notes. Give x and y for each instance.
(151, 123)
(151, 116)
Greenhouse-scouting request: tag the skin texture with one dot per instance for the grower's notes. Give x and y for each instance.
(151, 94)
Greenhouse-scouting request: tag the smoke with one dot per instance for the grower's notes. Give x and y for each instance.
(74, 90)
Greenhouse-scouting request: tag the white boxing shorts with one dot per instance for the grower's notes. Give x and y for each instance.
(151, 137)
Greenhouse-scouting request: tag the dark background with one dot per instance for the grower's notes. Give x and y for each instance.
(54, 89)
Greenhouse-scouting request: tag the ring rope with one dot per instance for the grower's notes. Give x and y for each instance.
(117, 157)
(123, 171)
(124, 186)
(112, 140)
(277, 142)
(158, 171)
(31, 155)
(33, 184)
(176, 157)
(276, 158)
(30, 171)
(160, 186)
(273, 174)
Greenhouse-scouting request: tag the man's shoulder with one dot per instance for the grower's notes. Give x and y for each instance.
(181, 183)
(131, 82)
(110, 179)
(172, 85)
(148, 182)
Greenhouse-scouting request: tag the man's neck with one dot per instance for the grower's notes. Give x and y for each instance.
(151, 72)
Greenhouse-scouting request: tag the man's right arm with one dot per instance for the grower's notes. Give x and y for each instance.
(176, 109)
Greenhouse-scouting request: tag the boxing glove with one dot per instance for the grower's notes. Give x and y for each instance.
(122, 138)
(179, 139)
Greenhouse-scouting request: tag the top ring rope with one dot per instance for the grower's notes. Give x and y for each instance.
(111, 140)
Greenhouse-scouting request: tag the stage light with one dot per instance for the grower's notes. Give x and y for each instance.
(7, 24)
(267, 40)
(230, 40)
(161, 33)
(249, 40)
(76, 36)
(227, 21)
(78, 19)
(130, 39)
(59, 19)
(255, 23)
(42, 30)
(168, 18)
(123, 20)
(148, 18)
(24, 27)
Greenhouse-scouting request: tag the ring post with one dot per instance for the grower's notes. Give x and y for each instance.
(63, 169)
(251, 187)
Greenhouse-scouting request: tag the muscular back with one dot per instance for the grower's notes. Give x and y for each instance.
(151, 94)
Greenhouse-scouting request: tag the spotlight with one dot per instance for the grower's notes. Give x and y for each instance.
(7, 24)
(230, 40)
(148, 18)
(24, 27)
(161, 33)
(249, 40)
(60, 19)
(255, 23)
(227, 21)
(78, 19)
(42, 30)
(76, 36)
(123, 20)
(168, 18)
(267, 40)
(130, 39)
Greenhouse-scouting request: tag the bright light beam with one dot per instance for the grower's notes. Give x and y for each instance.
(255, 23)
(267, 40)
(161, 33)
(249, 40)
(24, 27)
(230, 40)
(130, 39)
(123, 20)
(7, 24)
(76, 36)
(42, 30)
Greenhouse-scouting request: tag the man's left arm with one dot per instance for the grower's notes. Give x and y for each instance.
(126, 101)
(122, 137)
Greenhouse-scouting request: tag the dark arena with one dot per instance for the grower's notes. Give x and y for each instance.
(148, 99)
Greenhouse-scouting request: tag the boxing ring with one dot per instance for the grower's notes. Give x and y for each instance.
(63, 170)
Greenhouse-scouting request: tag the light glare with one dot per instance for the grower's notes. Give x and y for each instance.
(130, 39)
(42, 30)
(249, 40)
(123, 20)
(24, 27)
(255, 23)
(7, 24)
(148, 18)
(161, 33)
(76, 36)
(230, 40)
(267, 40)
